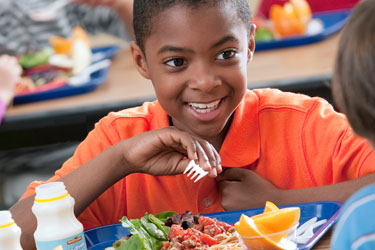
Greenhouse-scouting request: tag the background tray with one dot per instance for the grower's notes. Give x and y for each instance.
(333, 21)
(102, 237)
(96, 79)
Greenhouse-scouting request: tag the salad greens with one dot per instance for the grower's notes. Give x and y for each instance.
(134, 242)
(37, 58)
(147, 233)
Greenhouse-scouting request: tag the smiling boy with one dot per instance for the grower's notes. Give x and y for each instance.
(199, 76)
(275, 146)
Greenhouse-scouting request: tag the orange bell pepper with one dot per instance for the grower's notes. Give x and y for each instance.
(292, 18)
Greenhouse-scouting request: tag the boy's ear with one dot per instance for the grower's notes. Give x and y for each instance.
(139, 60)
(251, 49)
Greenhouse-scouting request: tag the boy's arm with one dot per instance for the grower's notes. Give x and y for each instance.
(335, 192)
(159, 152)
(234, 184)
(95, 176)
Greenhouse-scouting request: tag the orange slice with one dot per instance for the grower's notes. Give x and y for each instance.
(61, 45)
(270, 206)
(244, 228)
(259, 241)
(284, 20)
(291, 18)
(278, 220)
(266, 230)
(64, 46)
(270, 222)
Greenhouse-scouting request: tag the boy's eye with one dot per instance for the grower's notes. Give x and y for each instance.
(226, 54)
(175, 62)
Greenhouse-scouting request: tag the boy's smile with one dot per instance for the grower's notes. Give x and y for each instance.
(197, 60)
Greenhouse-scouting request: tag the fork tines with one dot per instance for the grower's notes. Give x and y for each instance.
(194, 168)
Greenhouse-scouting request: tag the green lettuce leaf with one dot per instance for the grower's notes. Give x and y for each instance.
(137, 229)
(133, 243)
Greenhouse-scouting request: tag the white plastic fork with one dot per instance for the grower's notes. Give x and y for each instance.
(194, 168)
(306, 230)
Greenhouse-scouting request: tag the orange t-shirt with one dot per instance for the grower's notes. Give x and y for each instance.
(292, 140)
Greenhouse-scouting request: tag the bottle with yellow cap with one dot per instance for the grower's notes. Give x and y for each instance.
(10, 233)
(57, 226)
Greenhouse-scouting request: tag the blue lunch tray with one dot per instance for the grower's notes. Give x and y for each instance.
(332, 21)
(101, 237)
(96, 79)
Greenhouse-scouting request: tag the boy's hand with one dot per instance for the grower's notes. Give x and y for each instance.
(244, 189)
(168, 151)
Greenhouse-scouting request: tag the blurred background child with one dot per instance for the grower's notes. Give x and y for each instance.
(21, 31)
(353, 89)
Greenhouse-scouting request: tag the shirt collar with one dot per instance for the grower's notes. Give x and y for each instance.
(241, 145)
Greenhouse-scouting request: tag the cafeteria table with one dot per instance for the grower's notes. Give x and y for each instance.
(306, 69)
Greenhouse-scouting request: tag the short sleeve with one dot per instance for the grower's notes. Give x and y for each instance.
(109, 207)
(334, 153)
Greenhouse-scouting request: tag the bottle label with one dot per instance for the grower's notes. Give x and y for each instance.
(76, 242)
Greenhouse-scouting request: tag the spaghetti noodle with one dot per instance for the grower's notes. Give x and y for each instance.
(226, 241)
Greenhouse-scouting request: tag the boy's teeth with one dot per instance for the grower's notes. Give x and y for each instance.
(204, 107)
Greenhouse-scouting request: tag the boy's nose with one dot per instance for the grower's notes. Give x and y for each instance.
(204, 78)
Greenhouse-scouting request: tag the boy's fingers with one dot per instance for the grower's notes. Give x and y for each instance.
(192, 149)
(217, 160)
(187, 143)
(231, 174)
(203, 160)
(201, 151)
(210, 153)
(208, 158)
(213, 173)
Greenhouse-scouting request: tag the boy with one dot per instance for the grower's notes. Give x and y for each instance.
(196, 55)
(353, 89)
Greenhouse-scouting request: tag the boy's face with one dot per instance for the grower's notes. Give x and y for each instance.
(197, 61)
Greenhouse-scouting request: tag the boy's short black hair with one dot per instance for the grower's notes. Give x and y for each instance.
(145, 10)
(354, 75)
